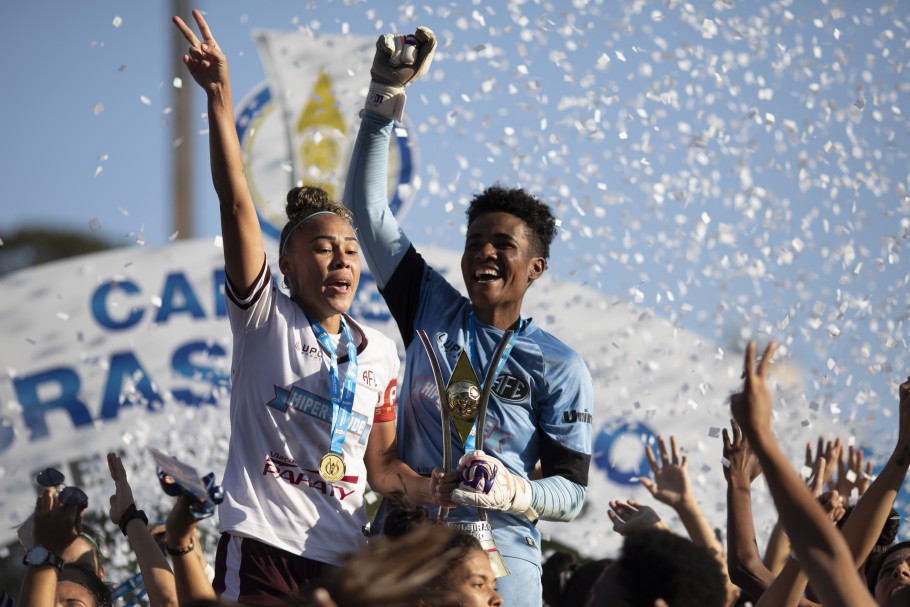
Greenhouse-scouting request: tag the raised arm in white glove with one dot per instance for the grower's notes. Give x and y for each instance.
(487, 483)
(399, 60)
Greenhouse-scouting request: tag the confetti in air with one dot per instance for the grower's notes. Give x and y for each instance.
(721, 171)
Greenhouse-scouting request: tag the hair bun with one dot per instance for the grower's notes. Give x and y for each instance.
(303, 200)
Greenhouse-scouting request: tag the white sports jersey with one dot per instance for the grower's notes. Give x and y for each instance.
(281, 416)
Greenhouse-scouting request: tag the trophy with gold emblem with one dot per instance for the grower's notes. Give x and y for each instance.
(463, 405)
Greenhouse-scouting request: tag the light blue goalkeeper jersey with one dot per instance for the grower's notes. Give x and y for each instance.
(542, 402)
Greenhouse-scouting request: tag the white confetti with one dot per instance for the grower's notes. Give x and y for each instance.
(178, 82)
(145, 100)
(118, 21)
(99, 107)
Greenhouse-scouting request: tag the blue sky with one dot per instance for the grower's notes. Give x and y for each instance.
(740, 170)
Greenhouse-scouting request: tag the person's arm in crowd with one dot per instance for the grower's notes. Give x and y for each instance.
(56, 526)
(671, 486)
(189, 570)
(787, 588)
(156, 573)
(744, 561)
(243, 249)
(631, 516)
(820, 549)
(777, 552)
(865, 523)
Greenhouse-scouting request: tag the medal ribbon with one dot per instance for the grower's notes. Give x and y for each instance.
(342, 397)
(474, 357)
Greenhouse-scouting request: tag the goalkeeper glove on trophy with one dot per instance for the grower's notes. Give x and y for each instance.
(487, 483)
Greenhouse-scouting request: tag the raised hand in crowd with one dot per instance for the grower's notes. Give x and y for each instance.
(47, 578)
(133, 523)
(180, 542)
(821, 550)
(744, 562)
(671, 486)
(851, 473)
(631, 516)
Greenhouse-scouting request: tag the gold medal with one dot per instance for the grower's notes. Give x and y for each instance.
(331, 467)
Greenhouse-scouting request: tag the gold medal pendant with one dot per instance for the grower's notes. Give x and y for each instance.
(331, 467)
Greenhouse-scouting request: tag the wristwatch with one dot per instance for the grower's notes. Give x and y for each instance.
(38, 556)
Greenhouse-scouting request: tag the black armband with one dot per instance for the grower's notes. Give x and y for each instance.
(129, 514)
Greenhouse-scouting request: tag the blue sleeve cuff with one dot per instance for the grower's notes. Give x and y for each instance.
(556, 498)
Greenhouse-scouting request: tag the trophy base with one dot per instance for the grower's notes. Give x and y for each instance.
(482, 531)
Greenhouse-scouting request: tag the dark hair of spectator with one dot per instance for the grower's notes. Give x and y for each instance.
(403, 517)
(872, 568)
(568, 582)
(658, 564)
(88, 579)
(400, 572)
(456, 550)
(537, 215)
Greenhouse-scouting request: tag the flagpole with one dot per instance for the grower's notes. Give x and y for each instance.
(182, 173)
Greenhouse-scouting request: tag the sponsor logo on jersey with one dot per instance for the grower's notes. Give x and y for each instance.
(368, 377)
(425, 389)
(318, 407)
(450, 348)
(292, 474)
(308, 350)
(580, 417)
(390, 396)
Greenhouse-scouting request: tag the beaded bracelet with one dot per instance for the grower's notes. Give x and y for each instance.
(180, 551)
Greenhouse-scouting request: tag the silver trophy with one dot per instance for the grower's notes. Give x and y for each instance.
(462, 403)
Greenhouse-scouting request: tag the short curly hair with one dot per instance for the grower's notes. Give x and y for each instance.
(659, 564)
(537, 215)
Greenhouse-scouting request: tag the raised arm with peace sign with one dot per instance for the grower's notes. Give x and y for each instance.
(243, 248)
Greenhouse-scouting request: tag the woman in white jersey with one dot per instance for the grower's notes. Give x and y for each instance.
(313, 392)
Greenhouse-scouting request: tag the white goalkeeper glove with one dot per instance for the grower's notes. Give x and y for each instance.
(399, 60)
(487, 483)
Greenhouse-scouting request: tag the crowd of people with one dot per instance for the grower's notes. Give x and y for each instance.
(316, 392)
